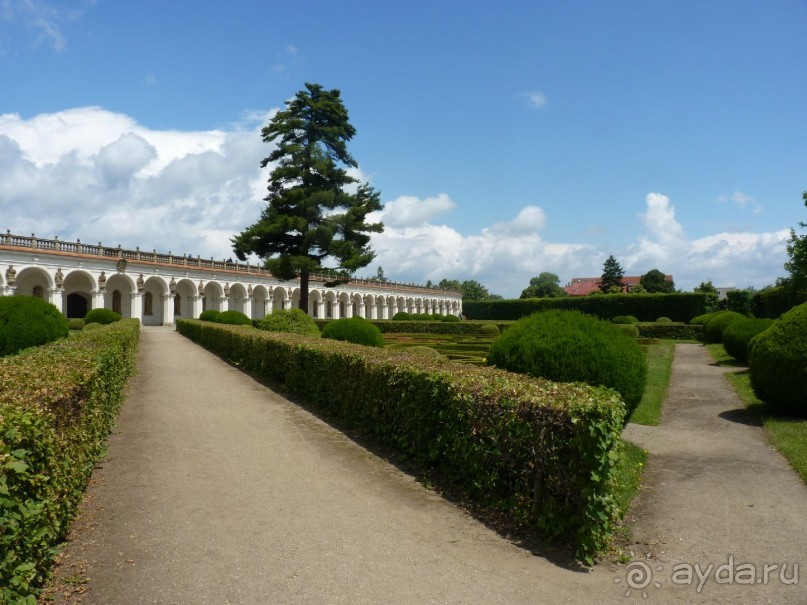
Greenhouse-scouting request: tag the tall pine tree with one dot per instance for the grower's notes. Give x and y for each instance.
(612, 274)
(312, 216)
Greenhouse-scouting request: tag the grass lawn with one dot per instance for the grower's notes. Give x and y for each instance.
(788, 435)
(659, 367)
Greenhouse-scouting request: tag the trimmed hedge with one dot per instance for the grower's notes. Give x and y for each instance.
(489, 329)
(663, 320)
(540, 451)
(629, 329)
(290, 321)
(354, 329)
(702, 319)
(739, 334)
(670, 331)
(402, 316)
(28, 321)
(778, 359)
(646, 307)
(233, 318)
(102, 316)
(57, 405)
(568, 346)
(75, 324)
(448, 319)
(624, 319)
(432, 327)
(714, 327)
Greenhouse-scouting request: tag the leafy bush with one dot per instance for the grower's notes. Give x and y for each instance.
(773, 301)
(737, 336)
(450, 319)
(424, 350)
(543, 453)
(437, 317)
(677, 306)
(664, 320)
(402, 316)
(92, 326)
(699, 320)
(291, 321)
(489, 329)
(714, 327)
(672, 331)
(28, 321)
(739, 301)
(209, 315)
(778, 359)
(356, 330)
(75, 324)
(429, 327)
(234, 318)
(568, 346)
(57, 405)
(631, 330)
(624, 319)
(102, 316)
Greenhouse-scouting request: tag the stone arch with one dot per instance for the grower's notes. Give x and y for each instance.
(280, 297)
(237, 298)
(78, 293)
(122, 301)
(331, 305)
(29, 277)
(345, 306)
(186, 290)
(155, 291)
(214, 294)
(314, 303)
(358, 305)
(260, 298)
(295, 298)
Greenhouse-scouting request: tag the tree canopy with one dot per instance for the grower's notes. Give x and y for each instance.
(612, 274)
(796, 266)
(316, 212)
(545, 285)
(712, 295)
(654, 281)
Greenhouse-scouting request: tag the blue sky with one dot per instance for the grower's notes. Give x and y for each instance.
(506, 138)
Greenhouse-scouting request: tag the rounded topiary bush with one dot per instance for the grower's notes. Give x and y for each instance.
(664, 320)
(450, 319)
(629, 329)
(739, 334)
(209, 315)
(624, 319)
(423, 350)
(714, 327)
(93, 326)
(75, 324)
(699, 320)
(402, 316)
(437, 317)
(568, 346)
(102, 316)
(489, 329)
(292, 321)
(234, 318)
(28, 321)
(356, 330)
(778, 358)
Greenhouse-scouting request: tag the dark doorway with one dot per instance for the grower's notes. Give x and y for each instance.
(76, 305)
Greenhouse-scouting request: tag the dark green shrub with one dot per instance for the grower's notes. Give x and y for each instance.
(631, 330)
(737, 336)
(421, 317)
(701, 319)
(423, 350)
(568, 346)
(714, 327)
(664, 320)
(75, 324)
(489, 329)
(670, 331)
(356, 330)
(28, 321)
(402, 316)
(102, 316)
(92, 326)
(234, 318)
(450, 319)
(778, 359)
(739, 301)
(209, 315)
(437, 317)
(773, 301)
(291, 321)
(624, 319)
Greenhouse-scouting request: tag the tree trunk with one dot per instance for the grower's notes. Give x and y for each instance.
(304, 290)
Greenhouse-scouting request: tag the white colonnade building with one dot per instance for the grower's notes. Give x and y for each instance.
(159, 288)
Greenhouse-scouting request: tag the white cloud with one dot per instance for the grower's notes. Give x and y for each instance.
(535, 99)
(743, 200)
(43, 19)
(100, 176)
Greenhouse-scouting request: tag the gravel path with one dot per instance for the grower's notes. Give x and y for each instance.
(217, 490)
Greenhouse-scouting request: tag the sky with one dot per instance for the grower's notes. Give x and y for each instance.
(506, 138)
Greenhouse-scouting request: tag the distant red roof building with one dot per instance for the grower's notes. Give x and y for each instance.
(583, 286)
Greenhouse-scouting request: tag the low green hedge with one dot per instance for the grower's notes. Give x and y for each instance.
(543, 452)
(737, 336)
(57, 405)
(671, 331)
(435, 327)
(646, 307)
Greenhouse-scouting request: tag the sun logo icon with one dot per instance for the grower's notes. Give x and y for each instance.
(639, 576)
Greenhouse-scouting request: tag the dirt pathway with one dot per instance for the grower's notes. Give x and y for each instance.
(217, 490)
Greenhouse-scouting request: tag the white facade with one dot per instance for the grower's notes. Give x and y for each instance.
(158, 289)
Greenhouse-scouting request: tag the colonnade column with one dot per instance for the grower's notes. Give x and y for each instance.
(136, 306)
(168, 309)
(196, 306)
(97, 299)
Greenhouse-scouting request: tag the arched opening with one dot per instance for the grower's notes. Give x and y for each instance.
(38, 292)
(178, 304)
(116, 302)
(77, 305)
(148, 304)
